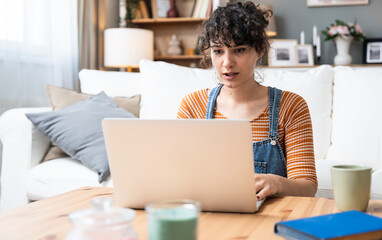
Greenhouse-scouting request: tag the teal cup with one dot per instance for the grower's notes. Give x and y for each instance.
(173, 220)
(351, 187)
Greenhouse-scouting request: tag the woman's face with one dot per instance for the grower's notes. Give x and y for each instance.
(234, 65)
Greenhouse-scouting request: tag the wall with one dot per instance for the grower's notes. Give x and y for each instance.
(293, 16)
(112, 14)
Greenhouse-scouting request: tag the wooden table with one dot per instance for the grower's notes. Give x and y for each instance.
(48, 219)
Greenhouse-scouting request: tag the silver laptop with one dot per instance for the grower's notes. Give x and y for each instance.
(210, 161)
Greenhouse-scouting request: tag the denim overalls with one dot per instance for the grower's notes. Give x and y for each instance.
(268, 154)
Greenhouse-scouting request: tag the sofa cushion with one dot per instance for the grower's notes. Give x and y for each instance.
(164, 85)
(77, 130)
(60, 175)
(114, 84)
(357, 116)
(61, 97)
(315, 86)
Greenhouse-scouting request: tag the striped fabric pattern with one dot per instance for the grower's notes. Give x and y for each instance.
(294, 129)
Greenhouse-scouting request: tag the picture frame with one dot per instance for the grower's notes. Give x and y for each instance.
(304, 55)
(282, 52)
(372, 51)
(328, 3)
(159, 8)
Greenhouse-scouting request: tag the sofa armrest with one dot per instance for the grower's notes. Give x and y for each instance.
(323, 169)
(23, 148)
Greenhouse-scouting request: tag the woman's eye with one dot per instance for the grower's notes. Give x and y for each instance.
(217, 51)
(240, 50)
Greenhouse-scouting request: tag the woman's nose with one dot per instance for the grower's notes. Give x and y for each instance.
(228, 60)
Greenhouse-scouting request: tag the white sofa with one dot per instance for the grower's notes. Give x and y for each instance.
(344, 102)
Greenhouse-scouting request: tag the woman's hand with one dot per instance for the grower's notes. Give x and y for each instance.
(271, 184)
(267, 185)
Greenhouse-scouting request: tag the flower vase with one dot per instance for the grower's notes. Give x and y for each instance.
(343, 57)
(172, 11)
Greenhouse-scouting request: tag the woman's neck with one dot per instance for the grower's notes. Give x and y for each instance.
(243, 102)
(251, 91)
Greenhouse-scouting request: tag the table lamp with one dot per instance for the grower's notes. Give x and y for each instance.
(271, 29)
(125, 47)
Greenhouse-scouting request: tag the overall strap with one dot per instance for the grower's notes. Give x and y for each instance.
(212, 100)
(274, 107)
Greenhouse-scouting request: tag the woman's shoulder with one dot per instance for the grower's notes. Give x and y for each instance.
(197, 97)
(194, 105)
(199, 94)
(291, 97)
(291, 100)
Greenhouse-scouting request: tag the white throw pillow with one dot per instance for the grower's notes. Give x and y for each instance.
(357, 116)
(114, 84)
(59, 176)
(164, 85)
(315, 86)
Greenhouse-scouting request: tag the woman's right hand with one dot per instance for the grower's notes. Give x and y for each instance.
(267, 185)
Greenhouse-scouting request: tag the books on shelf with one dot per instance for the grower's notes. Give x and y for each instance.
(202, 8)
(141, 12)
(143, 9)
(154, 9)
(193, 8)
(343, 225)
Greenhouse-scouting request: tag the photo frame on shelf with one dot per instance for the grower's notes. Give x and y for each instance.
(328, 3)
(372, 51)
(282, 52)
(159, 8)
(304, 55)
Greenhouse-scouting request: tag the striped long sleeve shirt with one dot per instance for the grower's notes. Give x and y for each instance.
(294, 129)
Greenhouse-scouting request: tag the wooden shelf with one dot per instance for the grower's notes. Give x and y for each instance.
(167, 20)
(313, 66)
(178, 57)
(185, 28)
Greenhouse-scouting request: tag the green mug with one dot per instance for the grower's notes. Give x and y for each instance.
(351, 186)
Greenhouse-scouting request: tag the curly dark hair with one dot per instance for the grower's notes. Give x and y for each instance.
(241, 23)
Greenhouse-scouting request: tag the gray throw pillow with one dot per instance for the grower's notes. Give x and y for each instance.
(77, 130)
(60, 98)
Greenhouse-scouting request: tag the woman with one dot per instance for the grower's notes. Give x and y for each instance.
(234, 40)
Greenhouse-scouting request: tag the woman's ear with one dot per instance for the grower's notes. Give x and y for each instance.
(260, 55)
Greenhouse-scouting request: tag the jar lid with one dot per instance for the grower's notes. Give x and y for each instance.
(102, 214)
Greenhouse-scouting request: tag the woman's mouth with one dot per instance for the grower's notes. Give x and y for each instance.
(230, 75)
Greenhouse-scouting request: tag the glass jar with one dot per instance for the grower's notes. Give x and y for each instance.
(102, 222)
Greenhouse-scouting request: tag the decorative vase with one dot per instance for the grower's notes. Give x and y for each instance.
(174, 46)
(343, 57)
(172, 12)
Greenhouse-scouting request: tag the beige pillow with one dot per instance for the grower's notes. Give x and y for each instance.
(61, 97)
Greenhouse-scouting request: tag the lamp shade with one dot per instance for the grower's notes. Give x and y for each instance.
(271, 30)
(125, 47)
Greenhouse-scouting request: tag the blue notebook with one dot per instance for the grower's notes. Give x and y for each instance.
(352, 224)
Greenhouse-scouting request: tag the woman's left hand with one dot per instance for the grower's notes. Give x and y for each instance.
(271, 184)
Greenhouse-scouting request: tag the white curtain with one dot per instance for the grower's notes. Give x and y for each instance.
(38, 46)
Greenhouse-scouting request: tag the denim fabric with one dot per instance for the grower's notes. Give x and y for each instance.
(268, 155)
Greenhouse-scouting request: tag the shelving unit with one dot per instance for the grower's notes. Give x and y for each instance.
(351, 65)
(185, 28)
(168, 20)
(179, 57)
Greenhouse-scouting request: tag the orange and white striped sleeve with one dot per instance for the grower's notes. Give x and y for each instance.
(298, 138)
